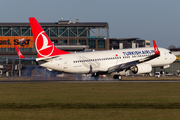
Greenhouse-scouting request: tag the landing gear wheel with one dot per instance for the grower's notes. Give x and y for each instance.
(162, 72)
(119, 77)
(115, 77)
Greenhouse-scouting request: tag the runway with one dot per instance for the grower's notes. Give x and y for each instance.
(90, 81)
(72, 79)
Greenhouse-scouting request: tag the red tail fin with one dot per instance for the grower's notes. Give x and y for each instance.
(44, 46)
(155, 48)
(19, 53)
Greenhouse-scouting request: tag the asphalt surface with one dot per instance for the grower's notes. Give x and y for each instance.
(82, 80)
(100, 81)
(73, 78)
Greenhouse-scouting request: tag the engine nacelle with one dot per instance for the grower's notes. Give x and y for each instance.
(141, 68)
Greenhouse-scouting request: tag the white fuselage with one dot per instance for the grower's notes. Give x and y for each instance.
(100, 61)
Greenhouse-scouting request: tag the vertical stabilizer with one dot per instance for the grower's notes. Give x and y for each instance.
(156, 48)
(44, 46)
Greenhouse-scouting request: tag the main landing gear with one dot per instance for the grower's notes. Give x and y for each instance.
(95, 76)
(119, 77)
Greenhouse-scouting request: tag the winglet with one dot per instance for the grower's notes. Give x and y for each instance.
(156, 48)
(18, 52)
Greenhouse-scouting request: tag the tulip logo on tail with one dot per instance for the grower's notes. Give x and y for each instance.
(43, 47)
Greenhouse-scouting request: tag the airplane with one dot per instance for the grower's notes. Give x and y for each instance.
(137, 60)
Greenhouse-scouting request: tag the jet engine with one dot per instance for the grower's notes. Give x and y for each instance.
(141, 68)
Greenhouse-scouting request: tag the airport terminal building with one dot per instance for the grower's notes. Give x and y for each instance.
(66, 35)
(83, 35)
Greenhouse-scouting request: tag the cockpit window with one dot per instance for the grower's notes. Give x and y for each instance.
(170, 52)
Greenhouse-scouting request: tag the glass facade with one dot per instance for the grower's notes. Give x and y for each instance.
(15, 31)
(101, 43)
(73, 42)
(82, 42)
(25, 31)
(51, 31)
(55, 41)
(63, 32)
(82, 31)
(92, 43)
(0, 31)
(6, 31)
(70, 34)
(62, 41)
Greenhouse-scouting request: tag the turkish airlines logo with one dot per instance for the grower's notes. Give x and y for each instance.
(19, 53)
(156, 49)
(43, 46)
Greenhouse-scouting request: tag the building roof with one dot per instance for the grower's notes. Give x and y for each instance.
(124, 38)
(61, 24)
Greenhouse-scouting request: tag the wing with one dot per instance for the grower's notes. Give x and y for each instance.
(128, 65)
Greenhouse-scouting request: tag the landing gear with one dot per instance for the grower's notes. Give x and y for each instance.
(162, 72)
(119, 77)
(95, 76)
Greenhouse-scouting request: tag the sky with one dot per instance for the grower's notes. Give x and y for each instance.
(157, 20)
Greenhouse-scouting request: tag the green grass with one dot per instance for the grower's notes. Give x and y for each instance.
(102, 101)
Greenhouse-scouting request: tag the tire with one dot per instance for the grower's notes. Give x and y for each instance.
(115, 77)
(119, 77)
